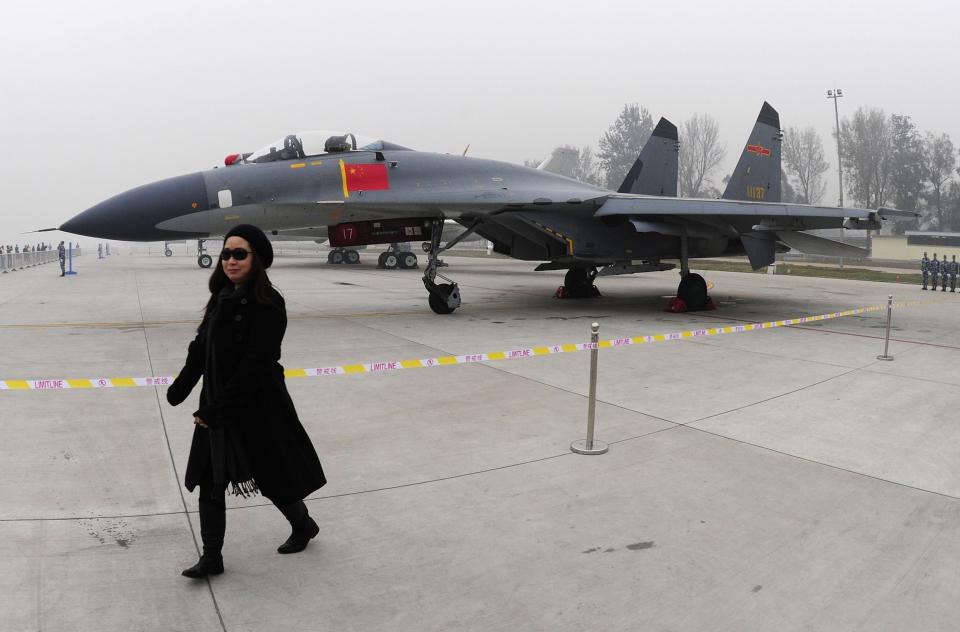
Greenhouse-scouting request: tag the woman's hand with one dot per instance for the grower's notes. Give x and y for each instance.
(199, 422)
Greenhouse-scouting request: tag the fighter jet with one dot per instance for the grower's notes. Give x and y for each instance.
(370, 191)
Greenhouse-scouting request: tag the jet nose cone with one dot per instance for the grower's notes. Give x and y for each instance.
(134, 215)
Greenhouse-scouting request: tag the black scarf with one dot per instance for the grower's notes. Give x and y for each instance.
(228, 457)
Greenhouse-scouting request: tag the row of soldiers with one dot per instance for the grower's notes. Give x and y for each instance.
(26, 248)
(932, 269)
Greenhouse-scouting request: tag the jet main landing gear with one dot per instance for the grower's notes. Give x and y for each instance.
(393, 257)
(578, 283)
(693, 291)
(343, 255)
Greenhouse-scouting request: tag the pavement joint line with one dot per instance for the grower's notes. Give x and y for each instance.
(674, 426)
(850, 333)
(173, 462)
(447, 360)
(815, 462)
(777, 396)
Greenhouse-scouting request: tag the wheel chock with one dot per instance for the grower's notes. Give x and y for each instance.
(676, 305)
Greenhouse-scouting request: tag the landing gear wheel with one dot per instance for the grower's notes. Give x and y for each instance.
(408, 260)
(693, 291)
(335, 257)
(383, 255)
(352, 256)
(444, 298)
(167, 253)
(204, 261)
(390, 261)
(578, 283)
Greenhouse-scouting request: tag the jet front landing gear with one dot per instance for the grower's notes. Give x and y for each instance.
(444, 297)
(203, 259)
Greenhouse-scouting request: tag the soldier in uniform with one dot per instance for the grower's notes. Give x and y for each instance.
(952, 269)
(934, 272)
(925, 269)
(62, 255)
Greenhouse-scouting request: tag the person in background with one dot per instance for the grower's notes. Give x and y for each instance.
(952, 269)
(934, 272)
(62, 255)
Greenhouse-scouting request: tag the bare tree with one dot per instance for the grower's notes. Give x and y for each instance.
(701, 152)
(805, 163)
(907, 169)
(952, 203)
(867, 156)
(939, 159)
(621, 144)
(787, 193)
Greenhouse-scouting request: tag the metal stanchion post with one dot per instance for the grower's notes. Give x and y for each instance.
(590, 446)
(886, 344)
(70, 258)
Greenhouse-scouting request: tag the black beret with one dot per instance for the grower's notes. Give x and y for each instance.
(258, 241)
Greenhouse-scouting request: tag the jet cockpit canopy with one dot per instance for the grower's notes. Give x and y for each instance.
(316, 143)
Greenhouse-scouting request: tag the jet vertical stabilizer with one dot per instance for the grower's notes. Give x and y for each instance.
(757, 179)
(655, 170)
(757, 176)
(562, 161)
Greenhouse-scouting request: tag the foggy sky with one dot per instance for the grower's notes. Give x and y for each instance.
(99, 97)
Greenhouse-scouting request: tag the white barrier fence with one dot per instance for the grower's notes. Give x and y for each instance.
(14, 261)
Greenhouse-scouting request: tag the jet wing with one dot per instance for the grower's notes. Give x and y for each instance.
(760, 225)
(661, 206)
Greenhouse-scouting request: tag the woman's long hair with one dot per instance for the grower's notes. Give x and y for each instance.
(258, 284)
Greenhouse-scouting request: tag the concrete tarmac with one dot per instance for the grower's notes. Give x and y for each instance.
(775, 480)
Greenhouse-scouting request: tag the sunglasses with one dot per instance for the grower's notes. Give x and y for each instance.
(237, 253)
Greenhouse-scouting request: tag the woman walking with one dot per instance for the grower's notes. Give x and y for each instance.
(247, 434)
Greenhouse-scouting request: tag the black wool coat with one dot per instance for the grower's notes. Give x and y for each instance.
(251, 397)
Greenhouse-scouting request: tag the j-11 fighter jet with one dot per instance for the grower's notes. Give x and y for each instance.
(369, 191)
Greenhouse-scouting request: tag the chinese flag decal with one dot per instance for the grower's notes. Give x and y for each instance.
(363, 177)
(758, 150)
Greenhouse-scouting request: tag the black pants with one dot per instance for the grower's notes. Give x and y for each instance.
(213, 514)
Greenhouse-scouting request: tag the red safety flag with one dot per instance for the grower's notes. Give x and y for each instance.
(364, 177)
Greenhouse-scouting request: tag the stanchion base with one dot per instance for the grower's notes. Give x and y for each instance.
(69, 272)
(580, 447)
(884, 357)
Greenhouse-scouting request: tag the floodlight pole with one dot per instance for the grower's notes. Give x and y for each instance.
(835, 94)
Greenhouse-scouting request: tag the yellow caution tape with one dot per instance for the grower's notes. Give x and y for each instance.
(397, 365)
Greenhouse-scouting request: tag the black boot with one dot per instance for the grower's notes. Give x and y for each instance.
(208, 564)
(304, 528)
(213, 525)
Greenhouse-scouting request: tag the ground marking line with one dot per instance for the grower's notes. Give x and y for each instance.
(448, 360)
